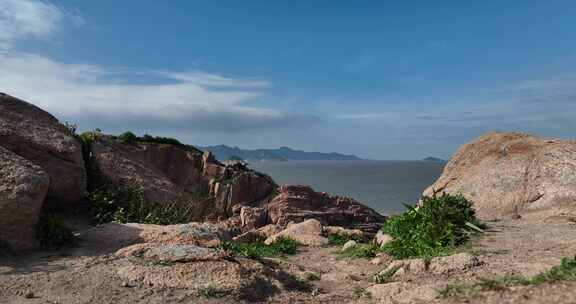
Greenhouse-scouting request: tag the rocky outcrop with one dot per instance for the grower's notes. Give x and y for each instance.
(460, 262)
(513, 175)
(23, 187)
(38, 137)
(178, 173)
(298, 203)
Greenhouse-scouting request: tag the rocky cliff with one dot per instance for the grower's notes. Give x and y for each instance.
(45, 165)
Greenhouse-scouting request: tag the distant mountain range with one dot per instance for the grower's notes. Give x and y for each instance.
(434, 159)
(223, 153)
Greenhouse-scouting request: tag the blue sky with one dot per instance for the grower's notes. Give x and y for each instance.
(380, 79)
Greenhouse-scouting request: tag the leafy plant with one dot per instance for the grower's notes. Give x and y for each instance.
(52, 233)
(435, 228)
(258, 250)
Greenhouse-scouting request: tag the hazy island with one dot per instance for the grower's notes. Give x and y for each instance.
(223, 153)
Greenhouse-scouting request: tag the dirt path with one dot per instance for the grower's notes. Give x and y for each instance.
(509, 247)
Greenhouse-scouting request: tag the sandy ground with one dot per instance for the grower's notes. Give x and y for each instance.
(87, 275)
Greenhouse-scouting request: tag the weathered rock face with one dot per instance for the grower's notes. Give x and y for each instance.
(23, 187)
(114, 236)
(37, 136)
(253, 217)
(298, 203)
(170, 173)
(512, 174)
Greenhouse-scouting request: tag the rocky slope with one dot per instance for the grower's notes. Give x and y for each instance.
(511, 175)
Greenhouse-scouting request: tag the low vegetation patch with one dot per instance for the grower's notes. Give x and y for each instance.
(566, 271)
(361, 292)
(384, 277)
(436, 228)
(258, 250)
(211, 292)
(366, 251)
(128, 206)
(52, 233)
(341, 239)
(131, 138)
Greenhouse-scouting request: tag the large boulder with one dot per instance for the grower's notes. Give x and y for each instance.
(37, 136)
(513, 175)
(307, 233)
(177, 173)
(23, 187)
(298, 203)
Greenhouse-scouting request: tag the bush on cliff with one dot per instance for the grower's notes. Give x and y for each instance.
(128, 206)
(435, 228)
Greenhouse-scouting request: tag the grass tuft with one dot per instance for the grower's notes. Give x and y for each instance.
(566, 271)
(258, 250)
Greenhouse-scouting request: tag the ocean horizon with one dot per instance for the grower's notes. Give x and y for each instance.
(385, 185)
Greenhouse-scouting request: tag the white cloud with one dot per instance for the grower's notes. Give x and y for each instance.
(25, 19)
(93, 95)
(80, 90)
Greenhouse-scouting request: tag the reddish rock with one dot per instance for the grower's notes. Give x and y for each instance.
(37, 136)
(23, 187)
(298, 203)
(512, 175)
(253, 217)
(183, 174)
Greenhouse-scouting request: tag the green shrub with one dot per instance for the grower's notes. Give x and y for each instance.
(440, 224)
(258, 250)
(51, 232)
(126, 205)
(127, 138)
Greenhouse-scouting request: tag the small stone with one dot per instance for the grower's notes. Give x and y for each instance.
(29, 294)
(349, 244)
(376, 261)
(382, 239)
